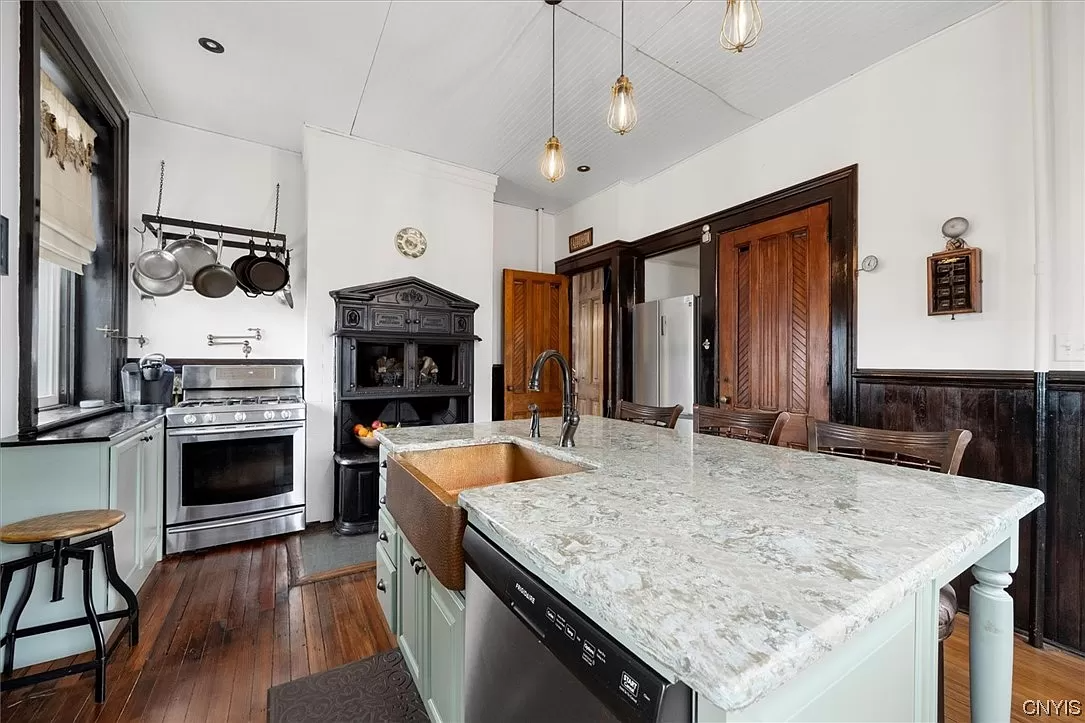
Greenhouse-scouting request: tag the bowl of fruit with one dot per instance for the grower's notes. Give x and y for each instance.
(366, 435)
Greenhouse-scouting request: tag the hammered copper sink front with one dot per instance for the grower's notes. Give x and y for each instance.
(423, 488)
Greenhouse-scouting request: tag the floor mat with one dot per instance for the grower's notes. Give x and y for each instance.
(377, 689)
(320, 553)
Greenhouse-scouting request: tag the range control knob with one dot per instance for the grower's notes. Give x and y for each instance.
(190, 419)
(208, 418)
(285, 414)
(239, 416)
(269, 414)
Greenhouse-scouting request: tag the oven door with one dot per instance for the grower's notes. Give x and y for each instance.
(227, 471)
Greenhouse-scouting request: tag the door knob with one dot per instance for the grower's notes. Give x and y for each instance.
(725, 399)
(383, 537)
(509, 388)
(381, 586)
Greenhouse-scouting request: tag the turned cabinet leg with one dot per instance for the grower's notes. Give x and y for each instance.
(990, 633)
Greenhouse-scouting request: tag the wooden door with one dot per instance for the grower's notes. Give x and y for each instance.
(536, 319)
(588, 340)
(774, 318)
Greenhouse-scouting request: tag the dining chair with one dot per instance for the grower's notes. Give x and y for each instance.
(751, 426)
(645, 414)
(934, 451)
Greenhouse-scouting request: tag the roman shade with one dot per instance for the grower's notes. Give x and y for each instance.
(67, 229)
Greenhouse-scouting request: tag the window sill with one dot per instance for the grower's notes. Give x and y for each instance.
(57, 417)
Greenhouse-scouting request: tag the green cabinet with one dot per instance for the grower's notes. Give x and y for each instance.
(413, 606)
(125, 474)
(444, 700)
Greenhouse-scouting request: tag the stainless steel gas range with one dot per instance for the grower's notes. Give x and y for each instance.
(235, 455)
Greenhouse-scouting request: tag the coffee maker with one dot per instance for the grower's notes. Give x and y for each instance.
(147, 383)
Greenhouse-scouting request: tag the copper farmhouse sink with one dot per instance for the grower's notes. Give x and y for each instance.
(423, 488)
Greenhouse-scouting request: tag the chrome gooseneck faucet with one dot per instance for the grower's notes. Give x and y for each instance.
(570, 419)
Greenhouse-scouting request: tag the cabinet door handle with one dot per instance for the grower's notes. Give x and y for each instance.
(415, 560)
(384, 464)
(381, 586)
(383, 499)
(383, 537)
(419, 568)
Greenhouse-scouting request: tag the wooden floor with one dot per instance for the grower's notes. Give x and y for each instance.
(218, 629)
(221, 627)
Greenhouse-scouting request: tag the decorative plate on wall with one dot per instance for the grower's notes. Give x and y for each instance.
(410, 242)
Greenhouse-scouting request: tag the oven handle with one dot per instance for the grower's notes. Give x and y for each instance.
(271, 426)
(197, 527)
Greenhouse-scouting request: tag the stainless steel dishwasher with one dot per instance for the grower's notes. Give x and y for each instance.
(530, 656)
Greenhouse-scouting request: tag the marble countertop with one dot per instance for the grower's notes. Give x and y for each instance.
(107, 428)
(734, 565)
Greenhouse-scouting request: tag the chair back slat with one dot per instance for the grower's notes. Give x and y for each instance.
(751, 426)
(646, 414)
(935, 451)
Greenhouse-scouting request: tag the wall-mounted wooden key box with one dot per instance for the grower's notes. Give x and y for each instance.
(954, 282)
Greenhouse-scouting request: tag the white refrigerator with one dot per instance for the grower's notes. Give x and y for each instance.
(664, 359)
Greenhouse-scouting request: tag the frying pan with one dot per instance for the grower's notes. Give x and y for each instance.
(267, 274)
(240, 268)
(155, 287)
(216, 280)
(192, 253)
(156, 263)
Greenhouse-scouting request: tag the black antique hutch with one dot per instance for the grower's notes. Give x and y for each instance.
(404, 353)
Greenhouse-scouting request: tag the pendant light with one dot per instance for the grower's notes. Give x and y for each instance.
(623, 114)
(552, 165)
(741, 25)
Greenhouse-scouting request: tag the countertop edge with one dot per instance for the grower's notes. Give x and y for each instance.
(48, 439)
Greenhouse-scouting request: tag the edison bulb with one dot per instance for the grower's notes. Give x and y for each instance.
(741, 25)
(623, 114)
(553, 162)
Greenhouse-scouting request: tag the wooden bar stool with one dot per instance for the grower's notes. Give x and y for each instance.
(646, 414)
(50, 538)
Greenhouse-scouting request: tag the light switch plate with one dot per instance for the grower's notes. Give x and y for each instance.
(1069, 347)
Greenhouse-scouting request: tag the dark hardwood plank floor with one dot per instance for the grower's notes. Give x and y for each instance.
(220, 627)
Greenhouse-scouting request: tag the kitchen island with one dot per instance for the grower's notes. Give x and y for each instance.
(777, 584)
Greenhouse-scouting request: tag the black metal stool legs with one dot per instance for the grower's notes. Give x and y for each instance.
(83, 552)
(9, 570)
(87, 557)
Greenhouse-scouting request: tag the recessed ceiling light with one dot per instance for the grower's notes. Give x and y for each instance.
(583, 169)
(212, 46)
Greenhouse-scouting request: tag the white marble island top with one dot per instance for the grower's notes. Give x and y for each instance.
(732, 564)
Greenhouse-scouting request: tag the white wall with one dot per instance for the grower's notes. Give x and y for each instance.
(9, 207)
(358, 195)
(938, 130)
(1068, 100)
(664, 280)
(218, 179)
(517, 245)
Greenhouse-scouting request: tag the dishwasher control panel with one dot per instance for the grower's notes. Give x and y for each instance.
(632, 690)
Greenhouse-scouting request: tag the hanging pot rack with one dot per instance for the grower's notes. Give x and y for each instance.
(157, 226)
(156, 223)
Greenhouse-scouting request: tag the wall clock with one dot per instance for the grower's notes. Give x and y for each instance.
(410, 242)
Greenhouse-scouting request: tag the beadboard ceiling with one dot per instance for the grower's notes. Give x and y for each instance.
(469, 81)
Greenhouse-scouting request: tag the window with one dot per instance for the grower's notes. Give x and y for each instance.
(55, 343)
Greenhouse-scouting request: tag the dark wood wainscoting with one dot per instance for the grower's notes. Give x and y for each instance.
(1010, 444)
(1064, 586)
(997, 407)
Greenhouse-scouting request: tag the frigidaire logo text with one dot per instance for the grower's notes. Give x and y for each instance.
(520, 589)
(1051, 707)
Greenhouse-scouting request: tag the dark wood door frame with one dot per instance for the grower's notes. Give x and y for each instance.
(840, 189)
(620, 287)
(46, 21)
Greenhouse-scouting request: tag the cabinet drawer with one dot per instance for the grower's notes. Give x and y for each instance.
(432, 322)
(389, 319)
(386, 534)
(386, 578)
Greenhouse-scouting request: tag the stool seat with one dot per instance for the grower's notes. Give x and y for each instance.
(60, 526)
